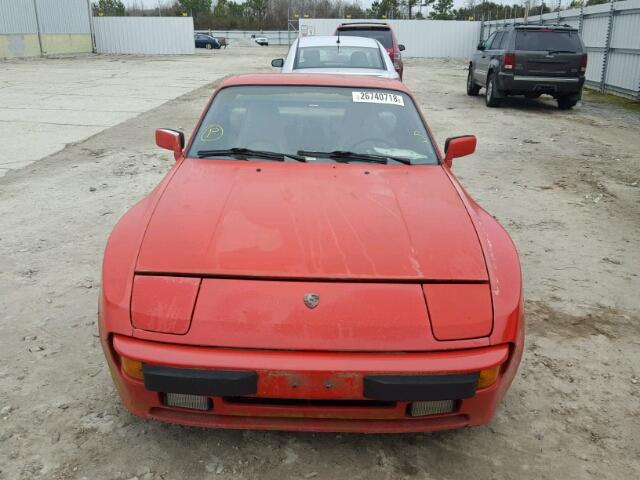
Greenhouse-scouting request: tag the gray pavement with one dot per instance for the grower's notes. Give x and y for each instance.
(46, 104)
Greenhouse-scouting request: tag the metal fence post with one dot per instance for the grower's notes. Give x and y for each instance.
(607, 47)
(91, 28)
(35, 9)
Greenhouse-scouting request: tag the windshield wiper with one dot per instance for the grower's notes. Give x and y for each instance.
(346, 156)
(243, 153)
(560, 51)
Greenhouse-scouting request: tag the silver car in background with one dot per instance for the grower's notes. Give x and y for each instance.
(338, 55)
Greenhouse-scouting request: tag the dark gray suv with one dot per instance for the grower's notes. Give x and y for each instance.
(529, 60)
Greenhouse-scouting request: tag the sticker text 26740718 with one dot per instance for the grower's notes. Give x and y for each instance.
(378, 97)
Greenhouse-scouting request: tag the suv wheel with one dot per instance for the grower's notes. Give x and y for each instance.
(566, 102)
(208, 46)
(472, 88)
(490, 94)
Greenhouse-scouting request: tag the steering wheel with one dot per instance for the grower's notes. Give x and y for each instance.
(375, 143)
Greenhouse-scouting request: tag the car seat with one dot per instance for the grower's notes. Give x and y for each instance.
(359, 60)
(262, 129)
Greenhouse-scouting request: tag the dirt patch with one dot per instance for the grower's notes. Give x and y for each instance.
(602, 320)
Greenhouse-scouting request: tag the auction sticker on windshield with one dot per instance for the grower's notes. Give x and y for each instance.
(378, 97)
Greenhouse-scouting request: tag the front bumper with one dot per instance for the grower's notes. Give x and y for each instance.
(522, 84)
(313, 391)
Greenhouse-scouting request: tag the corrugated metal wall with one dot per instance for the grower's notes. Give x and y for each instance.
(17, 16)
(144, 35)
(422, 38)
(55, 16)
(63, 16)
(31, 28)
(612, 38)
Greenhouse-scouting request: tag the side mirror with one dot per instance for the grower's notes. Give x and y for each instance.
(456, 147)
(401, 48)
(170, 140)
(277, 62)
(480, 46)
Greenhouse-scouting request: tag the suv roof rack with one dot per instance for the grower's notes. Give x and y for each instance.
(546, 25)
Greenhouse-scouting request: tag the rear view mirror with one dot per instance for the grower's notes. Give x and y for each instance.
(170, 140)
(277, 62)
(456, 147)
(401, 47)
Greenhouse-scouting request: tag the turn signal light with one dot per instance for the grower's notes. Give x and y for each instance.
(133, 368)
(488, 377)
(509, 61)
(583, 63)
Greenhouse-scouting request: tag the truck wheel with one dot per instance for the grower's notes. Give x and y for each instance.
(472, 88)
(567, 102)
(490, 94)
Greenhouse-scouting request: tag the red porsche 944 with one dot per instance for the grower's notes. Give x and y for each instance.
(310, 262)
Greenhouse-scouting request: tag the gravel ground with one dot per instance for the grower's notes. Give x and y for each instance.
(565, 185)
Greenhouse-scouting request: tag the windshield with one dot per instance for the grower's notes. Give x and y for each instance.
(383, 36)
(289, 119)
(335, 56)
(545, 40)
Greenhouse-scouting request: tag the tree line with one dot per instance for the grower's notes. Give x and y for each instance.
(274, 14)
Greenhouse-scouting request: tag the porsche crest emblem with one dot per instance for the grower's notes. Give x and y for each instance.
(311, 300)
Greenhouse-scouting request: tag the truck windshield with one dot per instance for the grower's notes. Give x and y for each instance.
(545, 40)
(292, 119)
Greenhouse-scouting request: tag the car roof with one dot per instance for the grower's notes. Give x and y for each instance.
(345, 41)
(320, 79)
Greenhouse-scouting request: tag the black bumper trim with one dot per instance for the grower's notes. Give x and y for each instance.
(399, 388)
(200, 382)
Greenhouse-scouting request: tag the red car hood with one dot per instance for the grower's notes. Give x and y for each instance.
(312, 221)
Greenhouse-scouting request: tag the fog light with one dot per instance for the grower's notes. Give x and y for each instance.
(194, 402)
(133, 368)
(435, 407)
(488, 377)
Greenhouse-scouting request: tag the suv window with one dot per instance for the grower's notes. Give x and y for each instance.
(489, 41)
(379, 34)
(544, 40)
(504, 41)
(496, 41)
